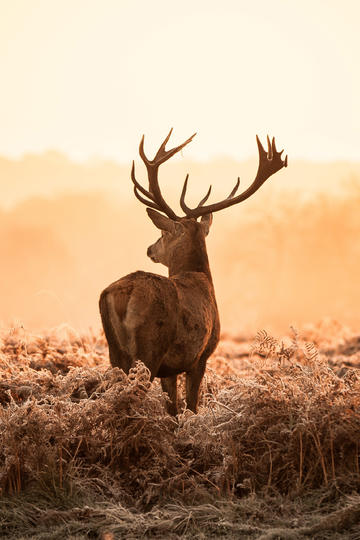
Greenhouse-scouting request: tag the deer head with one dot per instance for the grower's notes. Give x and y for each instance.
(176, 237)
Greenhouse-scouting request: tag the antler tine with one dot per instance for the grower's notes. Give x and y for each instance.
(269, 152)
(162, 146)
(269, 163)
(185, 208)
(273, 146)
(234, 189)
(142, 153)
(203, 201)
(139, 186)
(146, 201)
(261, 149)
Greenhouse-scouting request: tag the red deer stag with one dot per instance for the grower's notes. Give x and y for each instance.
(172, 324)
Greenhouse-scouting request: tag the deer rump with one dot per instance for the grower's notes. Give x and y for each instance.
(167, 323)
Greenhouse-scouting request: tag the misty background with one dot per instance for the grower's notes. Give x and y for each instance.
(289, 255)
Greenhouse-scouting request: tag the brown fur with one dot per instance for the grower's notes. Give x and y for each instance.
(170, 324)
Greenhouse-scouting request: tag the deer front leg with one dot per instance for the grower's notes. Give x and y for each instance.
(168, 384)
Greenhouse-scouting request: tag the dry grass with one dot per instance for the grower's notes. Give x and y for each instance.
(86, 450)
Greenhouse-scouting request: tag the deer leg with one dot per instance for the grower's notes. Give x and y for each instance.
(120, 359)
(115, 335)
(193, 381)
(168, 384)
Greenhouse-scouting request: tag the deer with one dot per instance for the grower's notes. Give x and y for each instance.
(172, 323)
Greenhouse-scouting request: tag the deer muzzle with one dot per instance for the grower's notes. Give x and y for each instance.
(151, 253)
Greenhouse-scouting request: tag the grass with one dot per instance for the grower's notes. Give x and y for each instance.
(88, 452)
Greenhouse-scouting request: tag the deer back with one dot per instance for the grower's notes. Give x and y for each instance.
(166, 322)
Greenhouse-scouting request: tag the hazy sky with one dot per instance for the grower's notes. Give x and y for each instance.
(88, 77)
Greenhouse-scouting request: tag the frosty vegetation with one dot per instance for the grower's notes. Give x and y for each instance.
(86, 449)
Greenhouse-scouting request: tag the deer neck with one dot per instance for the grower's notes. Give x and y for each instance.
(193, 258)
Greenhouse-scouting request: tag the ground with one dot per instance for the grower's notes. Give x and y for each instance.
(88, 452)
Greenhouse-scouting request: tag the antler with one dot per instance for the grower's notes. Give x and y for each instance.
(269, 163)
(152, 196)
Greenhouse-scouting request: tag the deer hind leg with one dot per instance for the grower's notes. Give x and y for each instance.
(168, 384)
(193, 381)
(120, 358)
(115, 335)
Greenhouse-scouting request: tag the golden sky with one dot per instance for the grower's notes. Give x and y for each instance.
(88, 77)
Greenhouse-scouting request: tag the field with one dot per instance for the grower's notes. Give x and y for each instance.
(87, 452)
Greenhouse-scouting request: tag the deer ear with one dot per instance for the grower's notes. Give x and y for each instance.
(161, 222)
(206, 222)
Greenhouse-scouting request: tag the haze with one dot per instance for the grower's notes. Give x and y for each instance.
(285, 256)
(82, 81)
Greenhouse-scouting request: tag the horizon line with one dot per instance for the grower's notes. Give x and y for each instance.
(98, 158)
